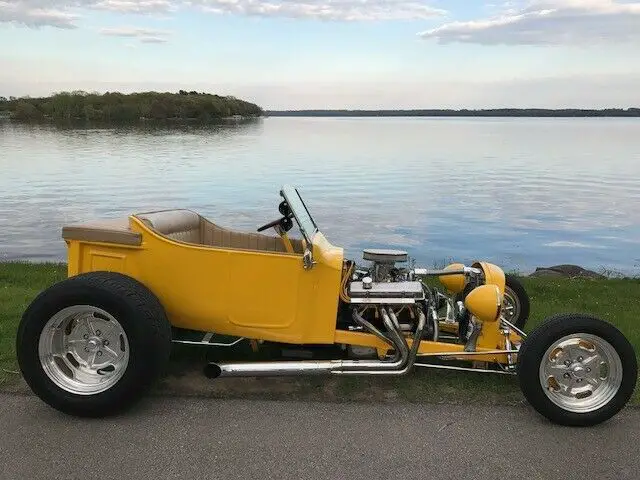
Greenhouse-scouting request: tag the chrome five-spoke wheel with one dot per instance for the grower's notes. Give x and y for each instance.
(91, 345)
(83, 349)
(577, 369)
(581, 372)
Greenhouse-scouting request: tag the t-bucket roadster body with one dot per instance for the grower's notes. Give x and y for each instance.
(93, 343)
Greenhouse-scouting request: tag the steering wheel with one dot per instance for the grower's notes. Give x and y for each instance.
(284, 222)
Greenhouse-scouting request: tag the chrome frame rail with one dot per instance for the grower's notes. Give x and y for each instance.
(205, 341)
(461, 354)
(513, 327)
(465, 369)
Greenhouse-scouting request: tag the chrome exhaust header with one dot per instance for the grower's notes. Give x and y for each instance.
(400, 364)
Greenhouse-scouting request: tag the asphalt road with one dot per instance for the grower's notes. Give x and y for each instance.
(169, 437)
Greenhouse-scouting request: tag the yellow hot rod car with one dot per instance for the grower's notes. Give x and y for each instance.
(93, 343)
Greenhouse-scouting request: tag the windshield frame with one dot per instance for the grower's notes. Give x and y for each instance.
(306, 223)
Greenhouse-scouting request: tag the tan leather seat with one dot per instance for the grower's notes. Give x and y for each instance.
(190, 227)
(180, 225)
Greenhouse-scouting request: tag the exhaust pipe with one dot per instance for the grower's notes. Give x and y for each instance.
(411, 357)
(399, 365)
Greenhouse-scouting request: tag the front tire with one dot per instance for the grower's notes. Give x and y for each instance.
(516, 304)
(577, 370)
(93, 344)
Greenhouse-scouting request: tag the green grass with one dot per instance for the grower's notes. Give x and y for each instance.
(614, 300)
(19, 284)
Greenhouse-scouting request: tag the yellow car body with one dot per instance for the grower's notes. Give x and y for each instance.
(211, 279)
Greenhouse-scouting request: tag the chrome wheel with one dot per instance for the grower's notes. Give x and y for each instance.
(83, 350)
(511, 307)
(581, 372)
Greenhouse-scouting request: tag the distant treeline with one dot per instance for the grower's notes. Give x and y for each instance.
(119, 107)
(495, 112)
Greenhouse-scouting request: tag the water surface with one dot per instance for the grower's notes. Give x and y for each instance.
(522, 192)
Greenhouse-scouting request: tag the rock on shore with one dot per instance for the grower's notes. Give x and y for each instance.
(567, 271)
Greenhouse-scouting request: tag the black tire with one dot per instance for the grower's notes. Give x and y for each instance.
(140, 314)
(513, 283)
(541, 338)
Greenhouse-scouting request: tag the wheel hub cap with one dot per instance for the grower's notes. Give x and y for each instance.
(83, 350)
(581, 372)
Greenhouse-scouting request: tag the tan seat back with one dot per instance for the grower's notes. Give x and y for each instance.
(181, 225)
(189, 227)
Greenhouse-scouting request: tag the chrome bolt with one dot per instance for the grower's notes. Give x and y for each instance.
(566, 375)
(99, 353)
(98, 332)
(578, 380)
(106, 343)
(567, 362)
(588, 369)
(86, 336)
(580, 359)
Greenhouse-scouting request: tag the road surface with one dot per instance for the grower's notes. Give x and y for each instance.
(196, 438)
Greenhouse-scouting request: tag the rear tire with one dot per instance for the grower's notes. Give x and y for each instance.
(103, 338)
(577, 370)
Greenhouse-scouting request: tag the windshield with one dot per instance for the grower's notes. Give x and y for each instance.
(307, 225)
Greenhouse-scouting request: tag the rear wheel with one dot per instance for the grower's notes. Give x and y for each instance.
(93, 344)
(577, 370)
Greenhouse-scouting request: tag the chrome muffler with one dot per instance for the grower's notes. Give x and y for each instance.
(400, 364)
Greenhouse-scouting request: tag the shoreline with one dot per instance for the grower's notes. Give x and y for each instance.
(630, 112)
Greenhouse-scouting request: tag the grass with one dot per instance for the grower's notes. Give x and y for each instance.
(19, 284)
(614, 300)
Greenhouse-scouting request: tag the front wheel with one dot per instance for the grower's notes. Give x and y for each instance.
(577, 370)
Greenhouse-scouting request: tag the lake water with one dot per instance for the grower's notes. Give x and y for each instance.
(518, 192)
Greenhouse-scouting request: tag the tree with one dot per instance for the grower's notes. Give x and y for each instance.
(25, 111)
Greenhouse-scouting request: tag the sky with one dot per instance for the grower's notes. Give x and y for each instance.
(295, 54)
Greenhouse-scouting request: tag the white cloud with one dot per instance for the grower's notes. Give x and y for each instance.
(144, 35)
(59, 13)
(35, 14)
(548, 22)
(349, 10)
(153, 40)
(135, 6)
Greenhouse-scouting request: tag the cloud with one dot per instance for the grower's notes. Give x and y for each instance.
(144, 35)
(60, 13)
(345, 10)
(34, 15)
(548, 22)
(135, 6)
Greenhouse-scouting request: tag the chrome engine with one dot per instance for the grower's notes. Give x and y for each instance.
(383, 268)
(384, 282)
(368, 291)
(384, 286)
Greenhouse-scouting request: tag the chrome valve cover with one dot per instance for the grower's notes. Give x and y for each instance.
(386, 292)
